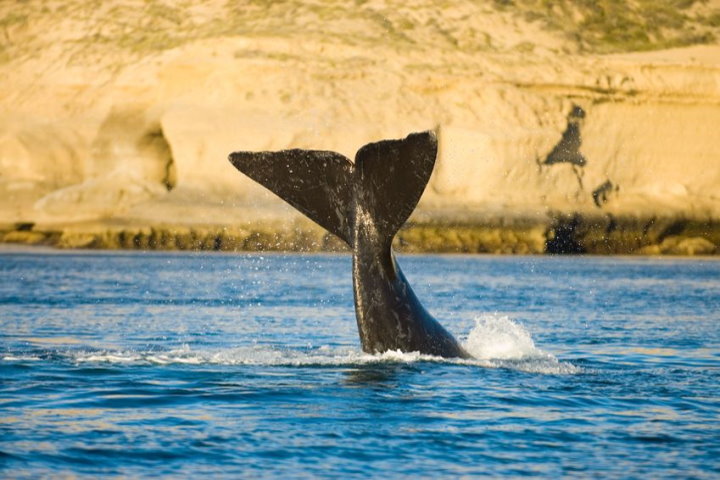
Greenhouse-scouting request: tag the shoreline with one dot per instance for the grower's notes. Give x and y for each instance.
(562, 235)
(24, 249)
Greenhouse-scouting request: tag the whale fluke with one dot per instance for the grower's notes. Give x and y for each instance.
(391, 178)
(365, 204)
(316, 182)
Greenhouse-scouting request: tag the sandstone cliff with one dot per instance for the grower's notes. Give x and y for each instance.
(117, 118)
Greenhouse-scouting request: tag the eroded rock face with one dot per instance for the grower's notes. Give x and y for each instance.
(38, 152)
(130, 139)
(523, 133)
(99, 197)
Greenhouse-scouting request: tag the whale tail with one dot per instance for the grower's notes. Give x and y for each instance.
(365, 203)
(387, 179)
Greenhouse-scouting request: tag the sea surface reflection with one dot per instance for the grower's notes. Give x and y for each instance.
(173, 364)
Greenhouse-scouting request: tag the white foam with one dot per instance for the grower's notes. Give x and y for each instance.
(261, 355)
(495, 342)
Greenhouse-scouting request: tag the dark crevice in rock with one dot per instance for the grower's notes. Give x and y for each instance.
(567, 149)
(648, 226)
(24, 226)
(154, 144)
(579, 175)
(611, 226)
(562, 238)
(675, 228)
(602, 194)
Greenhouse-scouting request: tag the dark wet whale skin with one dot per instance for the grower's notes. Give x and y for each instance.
(389, 315)
(365, 204)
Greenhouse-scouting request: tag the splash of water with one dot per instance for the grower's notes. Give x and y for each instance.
(500, 338)
(498, 341)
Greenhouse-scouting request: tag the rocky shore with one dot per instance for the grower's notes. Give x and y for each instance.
(566, 235)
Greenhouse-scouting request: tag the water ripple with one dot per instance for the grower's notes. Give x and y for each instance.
(172, 365)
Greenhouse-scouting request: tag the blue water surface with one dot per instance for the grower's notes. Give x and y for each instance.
(131, 364)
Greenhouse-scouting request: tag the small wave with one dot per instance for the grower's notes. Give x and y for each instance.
(20, 358)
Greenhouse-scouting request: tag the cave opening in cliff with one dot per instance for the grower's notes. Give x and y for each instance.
(155, 146)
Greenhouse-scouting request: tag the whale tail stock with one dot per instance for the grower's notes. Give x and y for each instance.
(386, 181)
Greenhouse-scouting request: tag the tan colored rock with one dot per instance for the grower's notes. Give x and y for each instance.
(29, 238)
(70, 239)
(40, 152)
(135, 125)
(99, 197)
(687, 246)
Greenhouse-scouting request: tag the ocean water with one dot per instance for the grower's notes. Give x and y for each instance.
(120, 365)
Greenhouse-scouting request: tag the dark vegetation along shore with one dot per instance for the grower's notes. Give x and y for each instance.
(568, 234)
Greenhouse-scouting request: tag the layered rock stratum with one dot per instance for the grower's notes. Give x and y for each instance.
(563, 126)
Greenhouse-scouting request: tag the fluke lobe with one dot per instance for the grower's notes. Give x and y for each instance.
(365, 204)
